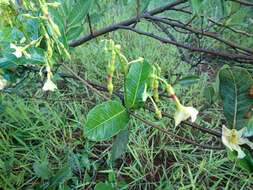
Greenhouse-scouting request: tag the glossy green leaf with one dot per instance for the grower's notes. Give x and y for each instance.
(233, 88)
(196, 6)
(106, 120)
(120, 144)
(246, 163)
(135, 83)
(79, 11)
(249, 127)
(74, 32)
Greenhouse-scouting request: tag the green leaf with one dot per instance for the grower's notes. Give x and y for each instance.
(135, 83)
(103, 186)
(120, 144)
(189, 80)
(42, 170)
(74, 32)
(61, 176)
(246, 163)
(249, 127)
(79, 11)
(106, 120)
(196, 6)
(233, 88)
(209, 93)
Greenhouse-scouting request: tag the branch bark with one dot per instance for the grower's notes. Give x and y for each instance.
(127, 22)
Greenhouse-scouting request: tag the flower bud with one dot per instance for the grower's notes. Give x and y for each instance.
(155, 89)
(110, 87)
(55, 28)
(158, 114)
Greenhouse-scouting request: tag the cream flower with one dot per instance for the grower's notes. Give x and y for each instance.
(233, 138)
(18, 50)
(49, 85)
(3, 83)
(183, 113)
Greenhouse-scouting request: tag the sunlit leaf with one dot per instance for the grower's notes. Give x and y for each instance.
(106, 120)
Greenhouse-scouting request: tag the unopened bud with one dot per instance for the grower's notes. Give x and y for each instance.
(170, 90)
(55, 28)
(158, 114)
(110, 88)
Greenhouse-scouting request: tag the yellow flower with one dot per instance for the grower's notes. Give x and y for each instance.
(233, 139)
(18, 50)
(3, 83)
(183, 113)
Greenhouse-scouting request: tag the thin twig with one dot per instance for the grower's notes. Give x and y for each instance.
(175, 135)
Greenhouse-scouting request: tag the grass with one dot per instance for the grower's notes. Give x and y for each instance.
(42, 145)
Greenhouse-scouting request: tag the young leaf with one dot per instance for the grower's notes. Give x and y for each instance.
(119, 145)
(135, 83)
(106, 120)
(234, 86)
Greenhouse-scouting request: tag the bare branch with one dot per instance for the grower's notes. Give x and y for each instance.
(225, 55)
(127, 22)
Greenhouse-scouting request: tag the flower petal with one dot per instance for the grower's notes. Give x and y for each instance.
(3, 83)
(49, 85)
(193, 113)
(240, 153)
(245, 141)
(225, 137)
(180, 116)
(241, 132)
(17, 52)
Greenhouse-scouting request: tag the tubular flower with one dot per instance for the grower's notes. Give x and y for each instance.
(49, 85)
(18, 50)
(3, 83)
(233, 139)
(183, 113)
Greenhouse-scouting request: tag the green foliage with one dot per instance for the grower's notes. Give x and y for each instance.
(234, 86)
(245, 163)
(136, 84)
(106, 120)
(234, 89)
(119, 144)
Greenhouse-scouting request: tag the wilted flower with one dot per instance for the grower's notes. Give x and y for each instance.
(183, 113)
(49, 85)
(18, 50)
(3, 83)
(233, 139)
